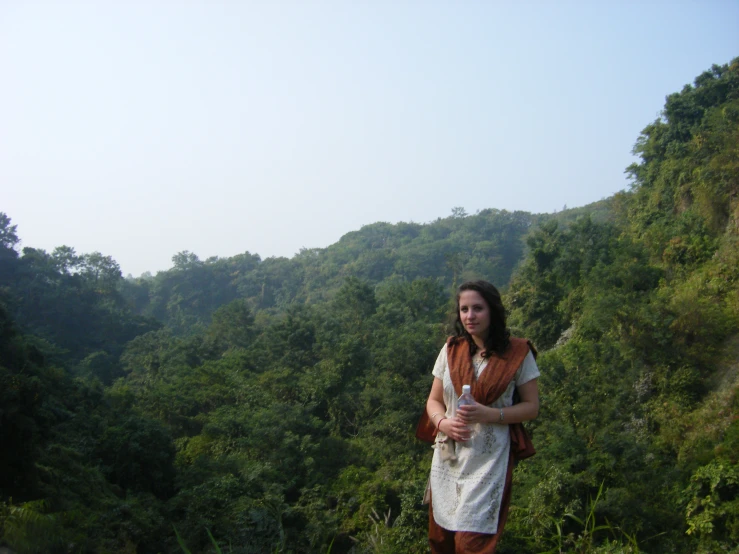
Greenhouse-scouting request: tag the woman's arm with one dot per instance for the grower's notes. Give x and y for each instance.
(436, 409)
(527, 409)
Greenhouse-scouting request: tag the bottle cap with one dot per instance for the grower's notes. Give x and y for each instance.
(465, 388)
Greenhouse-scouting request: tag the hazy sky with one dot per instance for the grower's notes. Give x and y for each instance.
(143, 128)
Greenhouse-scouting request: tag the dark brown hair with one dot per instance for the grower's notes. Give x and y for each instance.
(498, 338)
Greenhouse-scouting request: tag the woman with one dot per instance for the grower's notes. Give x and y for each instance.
(471, 485)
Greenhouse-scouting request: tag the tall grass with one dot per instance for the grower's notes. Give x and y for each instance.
(590, 537)
(184, 548)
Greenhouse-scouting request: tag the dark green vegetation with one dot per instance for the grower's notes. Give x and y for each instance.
(271, 403)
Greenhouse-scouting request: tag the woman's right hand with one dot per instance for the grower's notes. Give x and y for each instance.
(454, 428)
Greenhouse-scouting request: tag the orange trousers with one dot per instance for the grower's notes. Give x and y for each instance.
(443, 541)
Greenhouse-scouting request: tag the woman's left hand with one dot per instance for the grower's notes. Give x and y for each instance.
(473, 413)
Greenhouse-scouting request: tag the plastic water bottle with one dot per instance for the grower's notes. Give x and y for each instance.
(466, 400)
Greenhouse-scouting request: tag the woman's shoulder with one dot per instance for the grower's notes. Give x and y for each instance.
(522, 346)
(443, 353)
(441, 363)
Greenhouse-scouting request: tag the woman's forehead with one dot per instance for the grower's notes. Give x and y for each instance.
(471, 297)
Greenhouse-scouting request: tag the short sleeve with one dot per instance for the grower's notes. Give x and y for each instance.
(528, 370)
(441, 364)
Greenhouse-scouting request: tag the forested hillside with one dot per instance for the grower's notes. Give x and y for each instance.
(270, 404)
(448, 250)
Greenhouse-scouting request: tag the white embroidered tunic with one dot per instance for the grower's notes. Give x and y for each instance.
(467, 493)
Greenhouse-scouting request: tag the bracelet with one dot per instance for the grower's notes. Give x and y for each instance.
(438, 426)
(434, 415)
(501, 416)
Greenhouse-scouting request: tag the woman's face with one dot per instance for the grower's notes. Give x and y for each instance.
(474, 313)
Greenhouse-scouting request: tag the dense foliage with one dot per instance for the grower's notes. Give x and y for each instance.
(270, 403)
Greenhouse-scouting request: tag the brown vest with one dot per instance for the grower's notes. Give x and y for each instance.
(493, 382)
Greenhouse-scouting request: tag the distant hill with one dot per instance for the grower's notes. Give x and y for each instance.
(487, 245)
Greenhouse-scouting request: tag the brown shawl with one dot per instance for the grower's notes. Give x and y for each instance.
(493, 382)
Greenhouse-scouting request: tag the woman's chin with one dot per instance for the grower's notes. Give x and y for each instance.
(477, 333)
